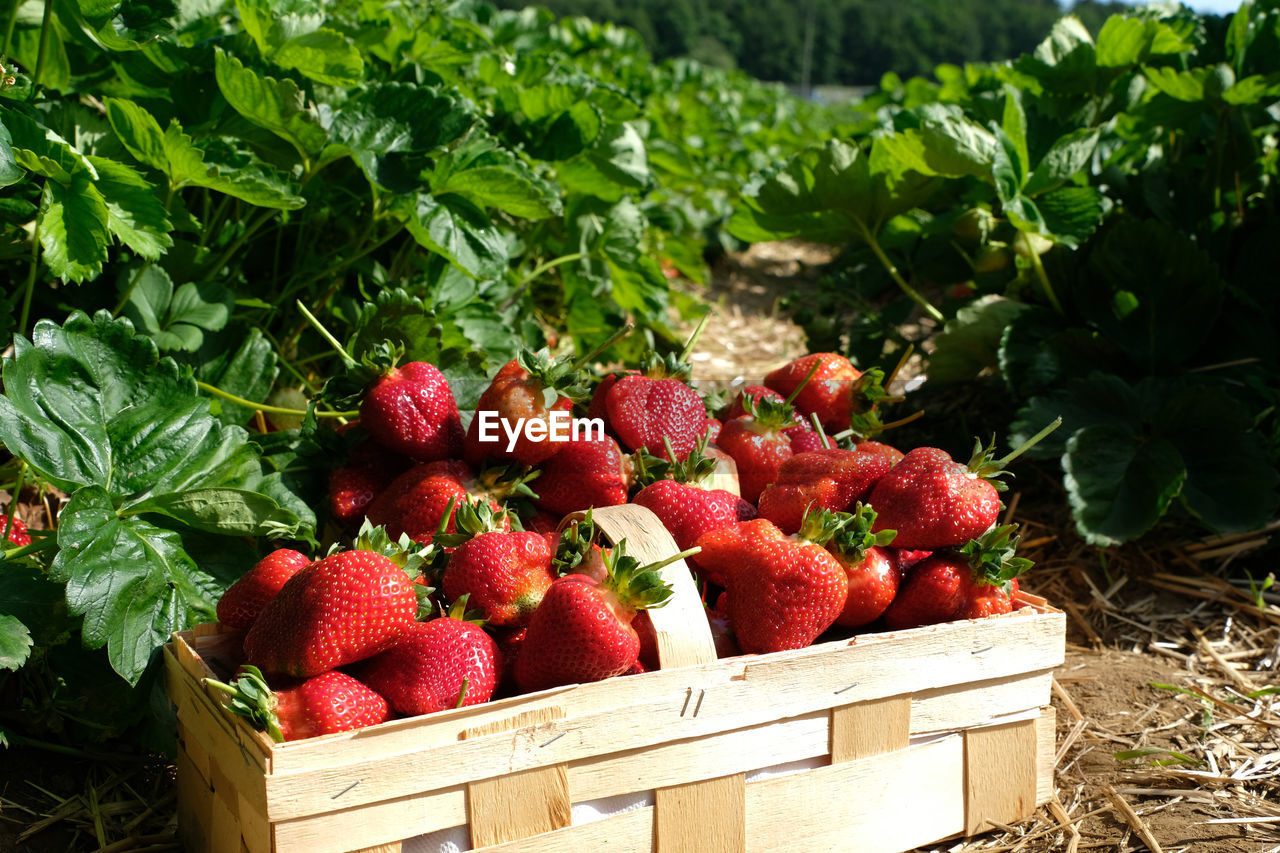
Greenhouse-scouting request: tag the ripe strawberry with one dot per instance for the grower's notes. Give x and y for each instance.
(828, 393)
(546, 525)
(688, 512)
(828, 479)
(323, 704)
(935, 502)
(644, 411)
(418, 501)
(598, 407)
(758, 444)
(711, 430)
(245, 599)
(505, 575)
(17, 530)
(582, 630)
(445, 663)
(367, 473)
(975, 581)
(782, 591)
(584, 473)
(338, 610)
(410, 410)
(804, 440)
(873, 575)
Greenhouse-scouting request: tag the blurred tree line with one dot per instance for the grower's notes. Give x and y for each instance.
(854, 42)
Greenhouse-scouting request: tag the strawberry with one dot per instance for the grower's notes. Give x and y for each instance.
(323, 704)
(828, 392)
(546, 525)
(245, 599)
(582, 630)
(722, 629)
(758, 444)
(418, 501)
(367, 473)
(828, 479)
(975, 581)
(644, 411)
(338, 610)
(935, 502)
(505, 575)
(410, 410)
(782, 591)
(17, 530)
(447, 662)
(711, 429)
(873, 574)
(755, 392)
(598, 407)
(688, 512)
(586, 472)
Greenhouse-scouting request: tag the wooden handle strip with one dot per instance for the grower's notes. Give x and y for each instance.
(684, 637)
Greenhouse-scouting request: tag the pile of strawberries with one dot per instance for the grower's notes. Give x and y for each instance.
(461, 585)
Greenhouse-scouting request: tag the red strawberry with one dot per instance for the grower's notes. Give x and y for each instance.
(245, 599)
(758, 444)
(418, 500)
(17, 530)
(828, 479)
(804, 440)
(546, 525)
(436, 665)
(599, 408)
(586, 472)
(970, 583)
(935, 502)
(410, 410)
(873, 575)
(782, 591)
(829, 391)
(688, 512)
(344, 608)
(368, 472)
(582, 630)
(644, 412)
(323, 704)
(505, 575)
(711, 430)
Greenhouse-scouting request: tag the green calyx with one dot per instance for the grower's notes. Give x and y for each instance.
(854, 538)
(820, 525)
(769, 413)
(503, 482)
(564, 376)
(458, 610)
(470, 519)
(991, 556)
(636, 586)
(984, 464)
(574, 545)
(252, 699)
(404, 552)
(693, 469)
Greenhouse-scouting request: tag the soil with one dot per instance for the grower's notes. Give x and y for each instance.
(1195, 759)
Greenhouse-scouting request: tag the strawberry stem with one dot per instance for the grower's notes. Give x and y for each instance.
(817, 427)
(803, 382)
(252, 699)
(693, 338)
(462, 694)
(582, 362)
(673, 558)
(328, 336)
(898, 367)
(1030, 443)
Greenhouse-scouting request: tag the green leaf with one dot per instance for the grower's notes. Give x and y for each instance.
(119, 26)
(970, 343)
(400, 118)
(37, 602)
(454, 227)
(223, 510)
(177, 319)
(639, 288)
(1119, 483)
(489, 176)
(1072, 214)
(248, 371)
(10, 171)
(276, 105)
(1068, 155)
(567, 134)
(15, 642)
(324, 55)
(74, 229)
(616, 163)
(1181, 85)
(1126, 40)
(947, 142)
(131, 581)
(173, 152)
(134, 214)
(1014, 125)
(1253, 90)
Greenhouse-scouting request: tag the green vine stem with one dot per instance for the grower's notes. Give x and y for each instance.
(263, 407)
(31, 277)
(892, 269)
(1042, 275)
(44, 44)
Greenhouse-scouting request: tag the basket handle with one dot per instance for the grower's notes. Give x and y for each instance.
(684, 636)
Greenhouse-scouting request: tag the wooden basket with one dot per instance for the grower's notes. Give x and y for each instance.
(882, 742)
